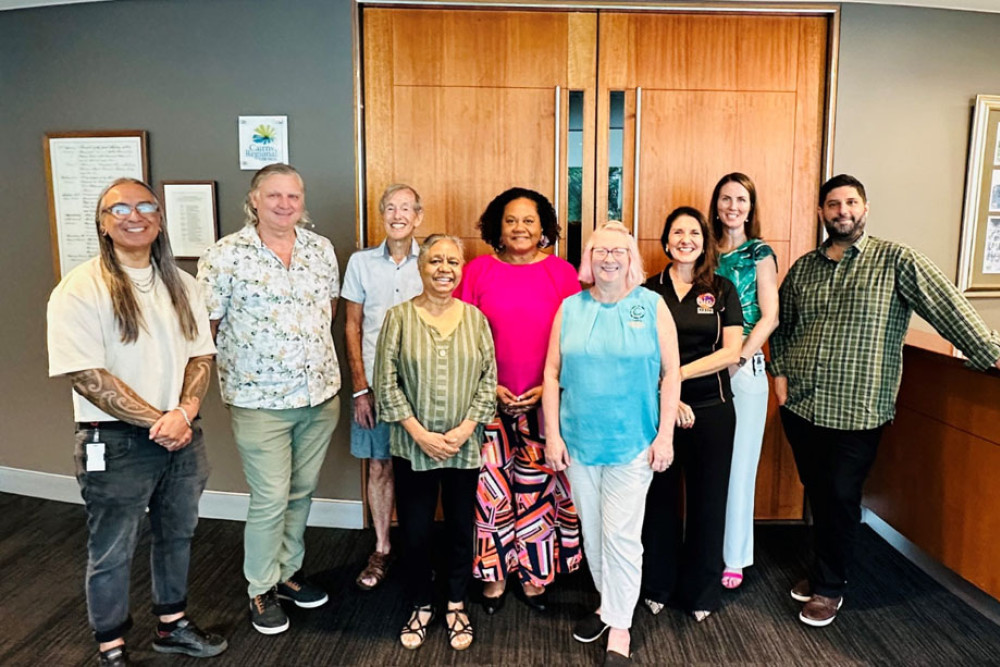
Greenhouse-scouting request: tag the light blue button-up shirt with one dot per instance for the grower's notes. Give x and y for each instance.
(375, 281)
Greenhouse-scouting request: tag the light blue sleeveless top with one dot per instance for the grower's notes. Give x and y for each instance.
(609, 408)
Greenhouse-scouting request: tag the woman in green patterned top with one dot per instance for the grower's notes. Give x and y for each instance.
(436, 383)
(750, 264)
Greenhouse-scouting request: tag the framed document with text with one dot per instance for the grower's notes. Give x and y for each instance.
(78, 166)
(190, 213)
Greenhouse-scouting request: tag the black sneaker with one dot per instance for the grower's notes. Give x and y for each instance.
(304, 594)
(189, 639)
(113, 657)
(589, 628)
(266, 614)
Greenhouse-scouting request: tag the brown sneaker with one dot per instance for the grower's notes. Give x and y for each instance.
(802, 591)
(820, 611)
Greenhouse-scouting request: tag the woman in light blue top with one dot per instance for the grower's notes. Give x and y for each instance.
(751, 266)
(610, 394)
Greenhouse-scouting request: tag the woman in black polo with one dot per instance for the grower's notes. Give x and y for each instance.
(682, 566)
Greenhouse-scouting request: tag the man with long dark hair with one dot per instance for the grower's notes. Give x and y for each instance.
(130, 330)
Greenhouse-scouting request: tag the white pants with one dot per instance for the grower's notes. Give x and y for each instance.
(750, 401)
(611, 502)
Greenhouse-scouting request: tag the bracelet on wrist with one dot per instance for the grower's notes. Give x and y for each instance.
(361, 392)
(185, 415)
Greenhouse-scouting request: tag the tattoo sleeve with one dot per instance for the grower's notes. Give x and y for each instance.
(197, 374)
(114, 397)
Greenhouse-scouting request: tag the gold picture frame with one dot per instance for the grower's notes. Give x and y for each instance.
(979, 254)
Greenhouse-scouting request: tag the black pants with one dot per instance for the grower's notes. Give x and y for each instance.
(682, 562)
(833, 465)
(416, 501)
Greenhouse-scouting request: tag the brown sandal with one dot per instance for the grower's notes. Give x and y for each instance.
(459, 629)
(378, 566)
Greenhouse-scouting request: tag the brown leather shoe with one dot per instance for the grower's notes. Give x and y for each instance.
(820, 611)
(802, 591)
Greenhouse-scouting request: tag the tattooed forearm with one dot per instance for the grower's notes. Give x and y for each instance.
(114, 397)
(197, 374)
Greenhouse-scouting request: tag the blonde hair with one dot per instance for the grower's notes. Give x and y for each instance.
(250, 213)
(636, 274)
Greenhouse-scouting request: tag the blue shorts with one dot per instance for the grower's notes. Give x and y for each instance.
(370, 443)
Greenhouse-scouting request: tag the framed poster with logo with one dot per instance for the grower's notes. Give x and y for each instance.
(979, 254)
(78, 166)
(263, 141)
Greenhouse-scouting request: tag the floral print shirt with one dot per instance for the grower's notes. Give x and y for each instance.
(275, 341)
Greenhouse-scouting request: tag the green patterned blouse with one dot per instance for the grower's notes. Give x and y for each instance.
(739, 266)
(440, 381)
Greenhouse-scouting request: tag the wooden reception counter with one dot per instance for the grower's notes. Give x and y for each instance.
(937, 476)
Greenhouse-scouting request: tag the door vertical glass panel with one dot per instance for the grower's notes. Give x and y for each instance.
(574, 176)
(616, 152)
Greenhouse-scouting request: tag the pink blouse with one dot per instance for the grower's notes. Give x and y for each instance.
(520, 302)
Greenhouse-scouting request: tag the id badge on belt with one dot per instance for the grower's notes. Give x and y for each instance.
(95, 454)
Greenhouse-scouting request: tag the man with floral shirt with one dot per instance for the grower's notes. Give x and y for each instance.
(271, 290)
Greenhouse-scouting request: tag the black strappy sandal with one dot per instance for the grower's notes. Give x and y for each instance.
(415, 627)
(459, 629)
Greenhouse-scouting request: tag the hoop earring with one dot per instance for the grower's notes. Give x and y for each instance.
(544, 242)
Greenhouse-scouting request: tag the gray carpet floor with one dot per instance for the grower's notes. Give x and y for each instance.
(893, 614)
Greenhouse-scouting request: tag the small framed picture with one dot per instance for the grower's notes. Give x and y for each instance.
(189, 210)
(979, 254)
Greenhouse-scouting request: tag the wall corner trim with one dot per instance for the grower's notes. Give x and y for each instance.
(325, 512)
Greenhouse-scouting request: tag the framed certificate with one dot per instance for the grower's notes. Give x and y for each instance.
(78, 166)
(190, 215)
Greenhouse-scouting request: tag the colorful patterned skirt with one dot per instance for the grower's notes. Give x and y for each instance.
(526, 523)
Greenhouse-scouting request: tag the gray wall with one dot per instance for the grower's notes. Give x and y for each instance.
(185, 69)
(908, 81)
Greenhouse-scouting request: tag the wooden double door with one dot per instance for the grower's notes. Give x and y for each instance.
(612, 115)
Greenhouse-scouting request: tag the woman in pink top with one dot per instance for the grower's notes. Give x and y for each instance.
(526, 524)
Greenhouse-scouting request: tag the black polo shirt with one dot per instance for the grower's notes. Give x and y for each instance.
(700, 317)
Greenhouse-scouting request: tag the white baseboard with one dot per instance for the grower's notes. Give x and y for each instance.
(325, 512)
(968, 592)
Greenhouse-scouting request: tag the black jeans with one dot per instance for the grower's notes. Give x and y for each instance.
(139, 475)
(416, 502)
(833, 465)
(682, 563)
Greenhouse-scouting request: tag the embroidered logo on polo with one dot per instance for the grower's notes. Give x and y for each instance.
(706, 304)
(636, 315)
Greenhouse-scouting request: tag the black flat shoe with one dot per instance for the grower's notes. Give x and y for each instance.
(616, 658)
(537, 602)
(493, 605)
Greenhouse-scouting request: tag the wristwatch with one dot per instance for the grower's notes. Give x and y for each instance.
(742, 362)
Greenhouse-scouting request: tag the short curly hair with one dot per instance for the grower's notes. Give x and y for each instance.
(491, 221)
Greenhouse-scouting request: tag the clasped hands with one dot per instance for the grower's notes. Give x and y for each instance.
(514, 405)
(171, 430)
(441, 446)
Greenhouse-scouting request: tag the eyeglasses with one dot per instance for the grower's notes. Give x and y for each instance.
(617, 253)
(123, 210)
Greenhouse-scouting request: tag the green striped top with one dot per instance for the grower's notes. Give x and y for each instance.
(440, 381)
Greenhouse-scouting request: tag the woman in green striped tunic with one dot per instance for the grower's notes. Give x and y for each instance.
(435, 383)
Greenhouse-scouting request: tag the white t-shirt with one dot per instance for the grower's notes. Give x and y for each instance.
(82, 334)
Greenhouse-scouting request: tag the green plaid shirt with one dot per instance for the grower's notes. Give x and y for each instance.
(840, 339)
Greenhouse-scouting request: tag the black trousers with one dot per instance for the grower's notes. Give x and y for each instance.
(416, 502)
(682, 560)
(833, 465)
